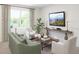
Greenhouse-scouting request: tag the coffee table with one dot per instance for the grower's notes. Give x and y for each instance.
(45, 42)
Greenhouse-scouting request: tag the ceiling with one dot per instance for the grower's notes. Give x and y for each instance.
(31, 5)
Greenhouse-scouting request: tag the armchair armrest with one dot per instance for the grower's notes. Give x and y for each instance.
(58, 47)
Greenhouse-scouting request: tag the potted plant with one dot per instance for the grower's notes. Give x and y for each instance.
(39, 26)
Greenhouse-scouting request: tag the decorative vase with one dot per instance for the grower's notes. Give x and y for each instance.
(66, 36)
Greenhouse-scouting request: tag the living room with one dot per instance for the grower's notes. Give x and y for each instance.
(40, 14)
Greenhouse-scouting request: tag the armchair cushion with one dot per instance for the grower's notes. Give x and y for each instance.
(20, 38)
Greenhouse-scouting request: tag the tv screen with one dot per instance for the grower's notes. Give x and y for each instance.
(57, 19)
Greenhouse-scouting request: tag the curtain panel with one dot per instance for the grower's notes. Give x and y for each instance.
(5, 17)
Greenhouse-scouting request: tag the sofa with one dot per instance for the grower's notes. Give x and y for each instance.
(19, 45)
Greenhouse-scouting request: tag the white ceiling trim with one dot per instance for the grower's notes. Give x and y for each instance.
(30, 5)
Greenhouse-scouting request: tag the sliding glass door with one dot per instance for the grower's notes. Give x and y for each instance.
(20, 18)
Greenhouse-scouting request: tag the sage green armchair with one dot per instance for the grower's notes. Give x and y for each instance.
(19, 46)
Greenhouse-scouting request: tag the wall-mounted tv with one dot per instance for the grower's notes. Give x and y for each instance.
(57, 19)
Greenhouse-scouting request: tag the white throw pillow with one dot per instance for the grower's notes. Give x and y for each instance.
(29, 33)
(38, 35)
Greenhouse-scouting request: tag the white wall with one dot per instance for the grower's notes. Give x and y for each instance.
(0, 24)
(71, 15)
(69, 12)
(36, 14)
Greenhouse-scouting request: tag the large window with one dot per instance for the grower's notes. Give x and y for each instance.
(20, 18)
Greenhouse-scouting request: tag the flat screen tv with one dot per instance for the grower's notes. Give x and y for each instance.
(57, 19)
